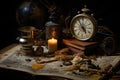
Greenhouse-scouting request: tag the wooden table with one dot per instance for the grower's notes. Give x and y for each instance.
(11, 59)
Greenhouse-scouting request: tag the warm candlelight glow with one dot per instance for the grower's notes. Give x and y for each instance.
(32, 34)
(52, 45)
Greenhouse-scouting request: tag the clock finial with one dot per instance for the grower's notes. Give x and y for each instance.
(85, 9)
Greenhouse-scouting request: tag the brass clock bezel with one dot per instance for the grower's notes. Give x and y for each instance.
(91, 18)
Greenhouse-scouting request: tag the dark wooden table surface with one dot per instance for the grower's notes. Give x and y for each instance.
(13, 74)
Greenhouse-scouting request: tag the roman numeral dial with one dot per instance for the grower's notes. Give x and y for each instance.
(83, 26)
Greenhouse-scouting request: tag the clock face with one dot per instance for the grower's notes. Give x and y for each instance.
(83, 27)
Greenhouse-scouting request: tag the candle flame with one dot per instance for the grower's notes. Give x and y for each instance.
(54, 33)
(53, 38)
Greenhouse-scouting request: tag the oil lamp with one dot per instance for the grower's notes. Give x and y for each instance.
(53, 32)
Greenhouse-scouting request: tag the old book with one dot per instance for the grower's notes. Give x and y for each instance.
(77, 45)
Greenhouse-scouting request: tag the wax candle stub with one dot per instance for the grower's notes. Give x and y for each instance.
(52, 45)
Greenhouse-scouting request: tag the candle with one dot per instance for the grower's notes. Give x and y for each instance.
(52, 45)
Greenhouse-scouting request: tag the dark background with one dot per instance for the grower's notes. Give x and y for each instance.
(106, 9)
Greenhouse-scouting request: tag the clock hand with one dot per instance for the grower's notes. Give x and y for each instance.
(83, 29)
(84, 22)
(82, 26)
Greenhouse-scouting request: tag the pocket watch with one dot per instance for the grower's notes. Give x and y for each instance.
(83, 26)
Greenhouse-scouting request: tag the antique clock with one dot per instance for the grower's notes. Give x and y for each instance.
(85, 29)
(83, 26)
